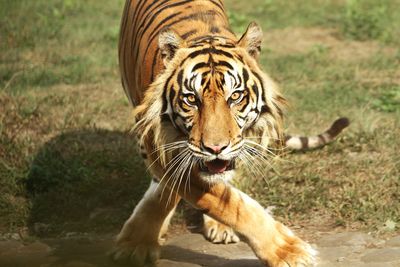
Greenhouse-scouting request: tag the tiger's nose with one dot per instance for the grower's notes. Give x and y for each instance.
(214, 148)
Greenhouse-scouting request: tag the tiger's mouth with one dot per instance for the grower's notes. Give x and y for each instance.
(217, 166)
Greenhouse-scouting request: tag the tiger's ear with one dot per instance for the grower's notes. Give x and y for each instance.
(169, 42)
(252, 39)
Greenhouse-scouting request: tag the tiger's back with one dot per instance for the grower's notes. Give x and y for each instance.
(139, 55)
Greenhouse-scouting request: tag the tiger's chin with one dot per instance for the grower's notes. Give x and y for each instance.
(217, 170)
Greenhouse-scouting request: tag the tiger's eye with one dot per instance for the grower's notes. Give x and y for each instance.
(191, 99)
(236, 95)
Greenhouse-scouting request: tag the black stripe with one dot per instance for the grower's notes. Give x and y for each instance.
(246, 104)
(225, 64)
(165, 90)
(187, 34)
(265, 109)
(160, 25)
(219, 5)
(183, 106)
(245, 75)
(199, 66)
(304, 142)
(260, 80)
(226, 45)
(179, 79)
(138, 29)
(255, 89)
(322, 139)
(164, 117)
(209, 50)
(153, 17)
(207, 85)
(189, 17)
(153, 64)
(214, 29)
(157, 30)
(183, 117)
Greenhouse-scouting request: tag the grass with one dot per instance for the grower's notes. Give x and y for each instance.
(67, 162)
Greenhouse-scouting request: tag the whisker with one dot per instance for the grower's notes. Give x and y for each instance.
(154, 161)
(194, 162)
(270, 157)
(173, 162)
(183, 172)
(253, 165)
(260, 146)
(178, 175)
(168, 145)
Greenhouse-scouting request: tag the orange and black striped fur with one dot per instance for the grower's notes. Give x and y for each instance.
(202, 104)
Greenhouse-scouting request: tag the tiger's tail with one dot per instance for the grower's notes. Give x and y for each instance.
(311, 142)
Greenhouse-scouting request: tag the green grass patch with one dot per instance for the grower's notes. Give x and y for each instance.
(67, 42)
(365, 20)
(388, 100)
(356, 19)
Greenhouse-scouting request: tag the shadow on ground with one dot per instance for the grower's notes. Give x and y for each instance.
(188, 250)
(85, 181)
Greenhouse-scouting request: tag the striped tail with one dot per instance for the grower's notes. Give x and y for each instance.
(311, 142)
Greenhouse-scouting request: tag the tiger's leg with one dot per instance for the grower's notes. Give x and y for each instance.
(217, 232)
(139, 241)
(272, 242)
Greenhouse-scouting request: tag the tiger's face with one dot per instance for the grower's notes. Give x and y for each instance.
(213, 98)
(215, 93)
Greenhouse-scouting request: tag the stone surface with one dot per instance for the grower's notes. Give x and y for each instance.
(191, 250)
(394, 242)
(333, 254)
(346, 239)
(382, 255)
(168, 263)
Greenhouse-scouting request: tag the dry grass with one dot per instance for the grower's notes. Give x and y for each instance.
(68, 164)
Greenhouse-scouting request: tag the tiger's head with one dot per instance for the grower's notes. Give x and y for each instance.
(212, 101)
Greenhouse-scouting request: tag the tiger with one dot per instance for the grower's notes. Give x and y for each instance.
(202, 108)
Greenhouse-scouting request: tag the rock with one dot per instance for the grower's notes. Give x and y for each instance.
(34, 254)
(168, 263)
(382, 255)
(333, 253)
(346, 239)
(36, 247)
(394, 242)
(354, 264)
(9, 245)
(10, 236)
(194, 249)
(78, 264)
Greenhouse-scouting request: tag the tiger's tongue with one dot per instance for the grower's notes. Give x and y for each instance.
(217, 165)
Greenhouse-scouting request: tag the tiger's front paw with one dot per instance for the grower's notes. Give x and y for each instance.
(135, 254)
(295, 253)
(288, 250)
(217, 232)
